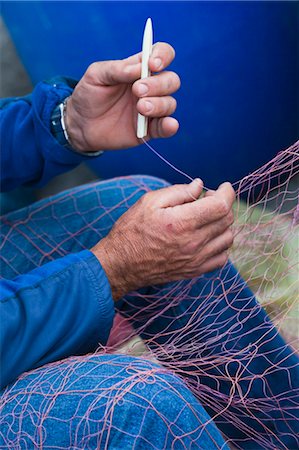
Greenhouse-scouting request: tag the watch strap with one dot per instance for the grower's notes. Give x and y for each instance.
(59, 130)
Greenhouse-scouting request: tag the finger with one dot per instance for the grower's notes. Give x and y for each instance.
(156, 106)
(225, 190)
(178, 194)
(212, 207)
(227, 193)
(163, 127)
(216, 262)
(128, 70)
(210, 193)
(133, 59)
(214, 229)
(164, 83)
(162, 55)
(110, 73)
(219, 244)
(204, 211)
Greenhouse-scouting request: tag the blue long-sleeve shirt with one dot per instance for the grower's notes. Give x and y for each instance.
(64, 307)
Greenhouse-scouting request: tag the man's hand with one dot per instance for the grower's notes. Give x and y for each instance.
(168, 235)
(102, 111)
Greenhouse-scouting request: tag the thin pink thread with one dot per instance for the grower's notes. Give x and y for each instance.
(166, 161)
(170, 164)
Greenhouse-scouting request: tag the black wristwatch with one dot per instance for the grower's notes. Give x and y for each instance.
(59, 131)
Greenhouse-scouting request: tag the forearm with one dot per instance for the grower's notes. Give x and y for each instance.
(60, 309)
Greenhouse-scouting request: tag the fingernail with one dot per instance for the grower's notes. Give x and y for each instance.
(148, 106)
(158, 63)
(142, 89)
(198, 180)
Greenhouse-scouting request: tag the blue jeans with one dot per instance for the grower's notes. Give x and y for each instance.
(220, 355)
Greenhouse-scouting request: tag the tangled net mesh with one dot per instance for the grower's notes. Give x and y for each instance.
(265, 252)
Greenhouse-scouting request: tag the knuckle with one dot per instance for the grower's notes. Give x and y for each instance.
(226, 240)
(190, 247)
(178, 187)
(146, 198)
(165, 106)
(222, 260)
(92, 71)
(222, 207)
(179, 226)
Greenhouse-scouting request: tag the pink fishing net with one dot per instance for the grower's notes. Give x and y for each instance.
(266, 254)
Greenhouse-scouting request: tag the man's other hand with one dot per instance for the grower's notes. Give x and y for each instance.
(102, 111)
(169, 234)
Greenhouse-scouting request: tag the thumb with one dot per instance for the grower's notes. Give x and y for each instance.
(110, 73)
(179, 194)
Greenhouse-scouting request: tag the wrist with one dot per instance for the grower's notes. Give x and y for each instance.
(75, 126)
(115, 269)
(67, 127)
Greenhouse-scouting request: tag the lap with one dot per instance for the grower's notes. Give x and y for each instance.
(214, 323)
(96, 401)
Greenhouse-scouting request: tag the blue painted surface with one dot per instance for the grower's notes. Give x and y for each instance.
(238, 102)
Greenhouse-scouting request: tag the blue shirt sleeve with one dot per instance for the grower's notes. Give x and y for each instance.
(29, 152)
(60, 309)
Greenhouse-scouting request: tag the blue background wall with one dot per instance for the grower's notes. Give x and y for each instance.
(238, 104)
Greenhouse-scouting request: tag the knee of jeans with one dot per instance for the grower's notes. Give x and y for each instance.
(152, 387)
(157, 403)
(114, 399)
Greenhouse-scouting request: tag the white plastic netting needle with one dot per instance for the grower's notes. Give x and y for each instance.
(147, 44)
